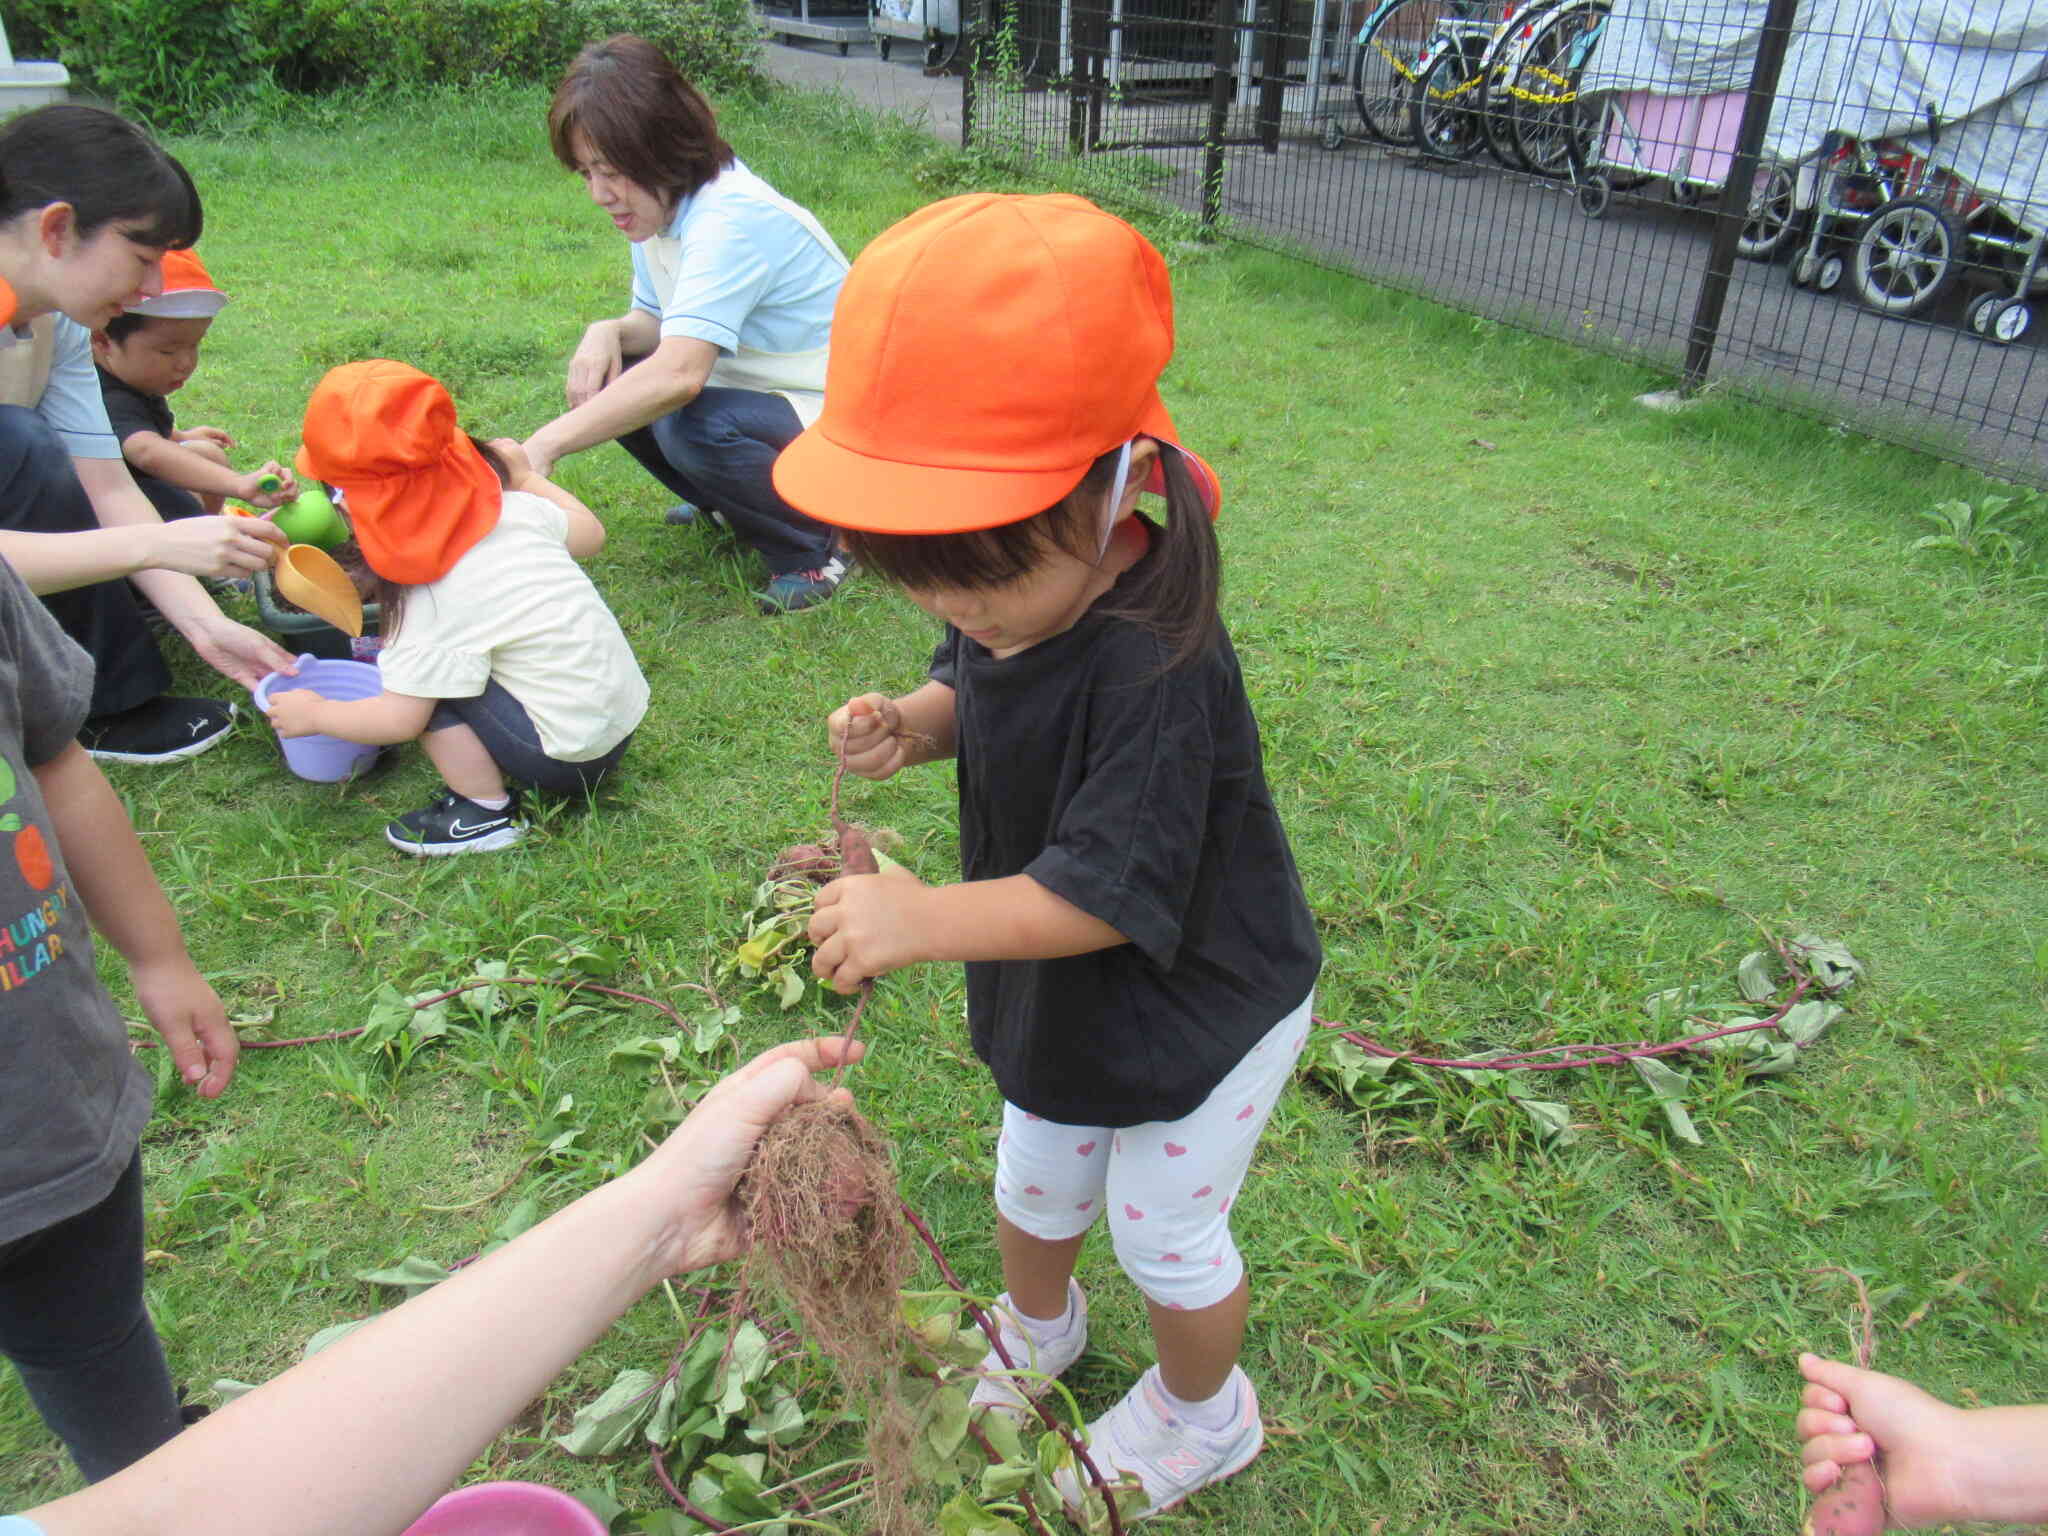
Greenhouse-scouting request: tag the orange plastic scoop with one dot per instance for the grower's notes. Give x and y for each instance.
(309, 577)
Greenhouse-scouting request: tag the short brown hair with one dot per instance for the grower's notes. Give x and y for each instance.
(626, 100)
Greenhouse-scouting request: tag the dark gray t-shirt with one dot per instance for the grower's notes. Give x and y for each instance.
(73, 1099)
(1138, 795)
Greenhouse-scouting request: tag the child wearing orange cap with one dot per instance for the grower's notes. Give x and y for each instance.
(1140, 957)
(146, 354)
(499, 655)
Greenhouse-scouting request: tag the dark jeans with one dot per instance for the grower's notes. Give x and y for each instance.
(509, 735)
(717, 452)
(171, 501)
(40, 493)
(73, 1323)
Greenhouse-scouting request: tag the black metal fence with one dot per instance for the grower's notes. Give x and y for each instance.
(1840, 204)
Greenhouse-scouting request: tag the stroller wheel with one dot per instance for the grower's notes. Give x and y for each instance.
(1978, 310)
(1827, 277)
(1595, 193)
(1910, 254)
(2007, 321)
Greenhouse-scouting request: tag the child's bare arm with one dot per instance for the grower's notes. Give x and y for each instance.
(870, 925)
(1942, 1465)
(200, 467)
(215, 435)
(586, 532)
(119, 891)
(384, 721)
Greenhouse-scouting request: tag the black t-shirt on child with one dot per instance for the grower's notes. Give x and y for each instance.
(1138, 795)
(129, 410)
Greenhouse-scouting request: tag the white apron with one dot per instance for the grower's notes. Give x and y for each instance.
(25, 364)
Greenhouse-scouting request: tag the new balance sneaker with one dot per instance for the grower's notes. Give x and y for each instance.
(165, 730)
(455, 825)
(795, 590)
(1014, 1395)
(1140, 1437)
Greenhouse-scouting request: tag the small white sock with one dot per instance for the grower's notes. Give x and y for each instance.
(1043, 1332)
(1213, 1413)
(490, 805)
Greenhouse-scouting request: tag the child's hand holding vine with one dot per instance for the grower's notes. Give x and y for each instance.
(868, 733)
(866, 926)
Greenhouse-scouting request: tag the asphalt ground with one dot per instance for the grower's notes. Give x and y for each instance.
(1521, 249)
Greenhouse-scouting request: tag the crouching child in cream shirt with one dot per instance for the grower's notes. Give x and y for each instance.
(500, 657)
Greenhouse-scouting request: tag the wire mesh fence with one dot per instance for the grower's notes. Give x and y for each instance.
(1839, 204)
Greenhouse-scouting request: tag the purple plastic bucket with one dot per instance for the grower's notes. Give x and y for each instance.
(325, 759)
(507, 1509)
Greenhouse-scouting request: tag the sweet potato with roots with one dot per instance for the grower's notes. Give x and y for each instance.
(1853, 1507)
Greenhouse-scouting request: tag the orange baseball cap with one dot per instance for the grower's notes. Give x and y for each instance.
(188, 293)
(418, 493)
(985, 352)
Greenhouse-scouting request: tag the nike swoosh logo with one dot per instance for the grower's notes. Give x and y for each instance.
(458, 829)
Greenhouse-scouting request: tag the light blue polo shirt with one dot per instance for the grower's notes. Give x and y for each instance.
(19, 1525)
(749, 275)
(71, 402)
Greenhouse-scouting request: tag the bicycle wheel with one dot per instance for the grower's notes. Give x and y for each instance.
(1383, 65)
(1441, 114)
(1498, 107)
(1549, 114)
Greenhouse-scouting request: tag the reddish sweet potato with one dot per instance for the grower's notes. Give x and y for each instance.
(1853, 1507)
(856, 849)
(804, 861)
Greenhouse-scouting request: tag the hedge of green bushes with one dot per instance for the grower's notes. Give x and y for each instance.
(177, 62)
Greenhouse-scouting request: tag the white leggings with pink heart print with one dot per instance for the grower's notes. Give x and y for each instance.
(1168, 1185)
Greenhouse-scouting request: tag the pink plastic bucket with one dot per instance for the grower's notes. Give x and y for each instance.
(325, 759)
(507, 1509)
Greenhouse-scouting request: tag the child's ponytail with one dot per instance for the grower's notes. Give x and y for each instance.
(1173, 592)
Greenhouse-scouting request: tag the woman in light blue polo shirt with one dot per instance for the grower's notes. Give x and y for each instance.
(720, 359)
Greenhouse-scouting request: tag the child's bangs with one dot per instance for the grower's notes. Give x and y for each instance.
(977, 561)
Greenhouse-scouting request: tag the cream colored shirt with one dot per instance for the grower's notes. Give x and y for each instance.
(518, 608)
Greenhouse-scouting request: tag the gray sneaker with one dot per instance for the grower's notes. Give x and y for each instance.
(1140, 1438)
(793, 591)
(685, 514)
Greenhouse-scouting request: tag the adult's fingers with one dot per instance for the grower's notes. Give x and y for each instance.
(1825, 1398)
(1813, 1422)
(1837, 1451)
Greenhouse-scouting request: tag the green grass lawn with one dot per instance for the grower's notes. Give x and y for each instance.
(1565, 703)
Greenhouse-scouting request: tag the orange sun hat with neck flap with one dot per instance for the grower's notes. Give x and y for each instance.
(417, 491)
(986, 351)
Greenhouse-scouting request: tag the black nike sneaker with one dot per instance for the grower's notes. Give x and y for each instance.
(455, 825)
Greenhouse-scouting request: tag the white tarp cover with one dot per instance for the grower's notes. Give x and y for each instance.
(1867, 68)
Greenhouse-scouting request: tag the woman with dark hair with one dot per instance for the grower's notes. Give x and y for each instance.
(88, 206)
(720, 359)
